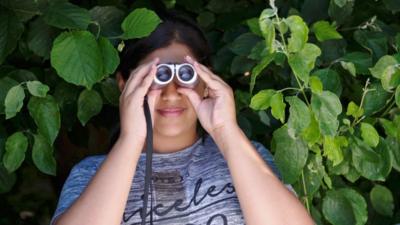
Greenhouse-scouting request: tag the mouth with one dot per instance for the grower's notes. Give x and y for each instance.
(171, 112)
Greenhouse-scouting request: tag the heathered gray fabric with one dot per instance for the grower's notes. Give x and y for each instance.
(192, 186)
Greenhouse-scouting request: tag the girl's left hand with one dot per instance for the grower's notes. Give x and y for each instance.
(218, 110)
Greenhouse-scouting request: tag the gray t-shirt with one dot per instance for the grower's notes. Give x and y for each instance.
(192, 186)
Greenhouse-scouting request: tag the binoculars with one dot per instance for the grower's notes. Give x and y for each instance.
(184, 72)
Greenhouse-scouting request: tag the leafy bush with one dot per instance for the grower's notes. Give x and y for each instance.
(317, 81)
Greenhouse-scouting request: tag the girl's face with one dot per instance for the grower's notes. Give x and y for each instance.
(174, 124)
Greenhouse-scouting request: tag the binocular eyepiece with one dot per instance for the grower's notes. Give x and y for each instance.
(185, 74)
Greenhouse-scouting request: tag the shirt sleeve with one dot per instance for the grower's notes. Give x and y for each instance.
(269, 159)
(74, 185)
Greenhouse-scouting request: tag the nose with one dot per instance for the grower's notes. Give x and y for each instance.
(170, 93)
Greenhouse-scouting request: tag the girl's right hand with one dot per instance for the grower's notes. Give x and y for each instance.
(131, 101)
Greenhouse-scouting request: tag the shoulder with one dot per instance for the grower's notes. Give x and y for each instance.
(89, 163)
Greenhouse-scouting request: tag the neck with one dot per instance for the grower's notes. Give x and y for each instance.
(170, 144)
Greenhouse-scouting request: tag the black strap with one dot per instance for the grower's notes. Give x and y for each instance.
(149, 157)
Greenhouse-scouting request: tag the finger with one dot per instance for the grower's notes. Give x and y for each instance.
(143, 88)
(194, 98)
(204, 75)
(138, 76)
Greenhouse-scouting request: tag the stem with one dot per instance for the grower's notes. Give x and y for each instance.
(98, 28)
(389, 107)
(305, 191)
(289, 88)
(365, 91)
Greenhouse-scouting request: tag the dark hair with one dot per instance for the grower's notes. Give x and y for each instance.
(173, 28)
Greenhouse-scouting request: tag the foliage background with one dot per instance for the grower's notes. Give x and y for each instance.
(316, 81)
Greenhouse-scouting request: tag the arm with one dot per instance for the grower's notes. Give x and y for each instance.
(104, 199)
(263, 198)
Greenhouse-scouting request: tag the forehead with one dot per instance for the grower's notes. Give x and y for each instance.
(173, 53)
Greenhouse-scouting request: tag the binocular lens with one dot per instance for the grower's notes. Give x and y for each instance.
(164, 73)
(186, 73)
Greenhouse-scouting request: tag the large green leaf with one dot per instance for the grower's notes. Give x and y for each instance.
(313, 173)
(262, 100)
(46, 114)
(299, 33)
(259, 68)
(380, 66)
(382, 200)
(375, 99)
(394, 145)
(344, 206)
(326, 107)
(302, 62)
(243, 44)
(109, 18)
(16, 146)
(77, 58)
(390, 78)
(139, 23)
(109, 54)
(299, 114)
(40, 37)
(371, 164)
(42, 155)
(10, 32)
(325, 31)
(290, 154)
(66, 15)
(89, 105)
(24, 9)
(374, 41)
(330, 80)
(341, 12)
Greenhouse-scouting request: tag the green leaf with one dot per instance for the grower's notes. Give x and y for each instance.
(89, 105)
(36, 88)
(330, 80)
(382, 200)
(362, 61)
(313, 174)
(341, 14)
(374, 41)
(380, 66)
(302, 62)
(397, 96)
(11, 31)
(243, 44)
(369, 134)
(299, 114)
(241, 65)
(40, 37)
(324, 31)
(340, 3)
(16, 146)
(376, 99)
(394, 145)
(14, 101)
(109, 54)
(290, 154)
(312, 133)
(206, 18)
(139, 23)
(349, 66)
(299, 33)
(110, 90)
(326, 107)
(373, 165)
(6, 84)
(42, 155)
(345, 206)
(268, 29)
(262, 100)
(316, 85)
(254, 26)
(354, 110)
(46, 114)
(389, 127)
(24, 9)
(109, 19)
(278, 106)
(390, 78)
(332, 149)
(66, 15)
(77, 58)
(258, 69)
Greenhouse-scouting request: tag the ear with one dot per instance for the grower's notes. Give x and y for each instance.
(120, 81)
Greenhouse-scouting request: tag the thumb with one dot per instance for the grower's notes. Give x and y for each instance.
(194, 98)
